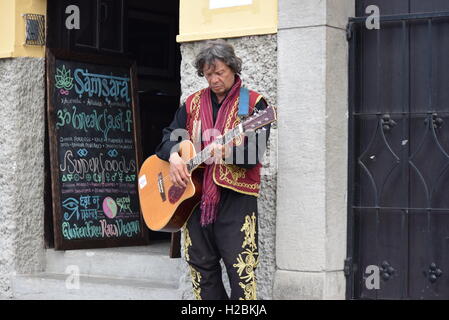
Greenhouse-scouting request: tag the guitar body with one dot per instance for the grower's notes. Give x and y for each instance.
(164, 206)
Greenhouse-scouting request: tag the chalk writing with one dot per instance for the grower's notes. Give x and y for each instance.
(89, 229)
(97, 165)
(124, 203)
(101, 85)
(99, 121)
(79, 209)
(112, 153)
(70, 101)
(82, 152)
(63, 79)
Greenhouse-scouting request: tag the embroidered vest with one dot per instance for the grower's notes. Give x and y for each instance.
(230, 176)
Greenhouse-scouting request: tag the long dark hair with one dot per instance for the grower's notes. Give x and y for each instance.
(217, 50)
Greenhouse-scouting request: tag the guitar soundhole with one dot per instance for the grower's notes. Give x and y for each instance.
(175, 193)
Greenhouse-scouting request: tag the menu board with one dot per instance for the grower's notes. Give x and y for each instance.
(94, 152)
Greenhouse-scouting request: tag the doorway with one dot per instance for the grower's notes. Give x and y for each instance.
(144, 31)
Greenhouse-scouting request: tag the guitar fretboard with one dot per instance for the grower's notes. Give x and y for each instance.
(205, 154)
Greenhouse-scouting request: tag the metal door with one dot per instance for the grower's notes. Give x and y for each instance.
(398, 204)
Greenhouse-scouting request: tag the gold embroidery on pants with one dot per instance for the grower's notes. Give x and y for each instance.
(249, 227)
(248, 260)
(194, 275)
(196, 279)
(187, 244)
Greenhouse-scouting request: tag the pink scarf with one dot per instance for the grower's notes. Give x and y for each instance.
(211, 193)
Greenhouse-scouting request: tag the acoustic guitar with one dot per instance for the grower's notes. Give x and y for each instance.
(166, 207)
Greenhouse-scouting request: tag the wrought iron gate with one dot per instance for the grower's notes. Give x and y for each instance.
(398, 200)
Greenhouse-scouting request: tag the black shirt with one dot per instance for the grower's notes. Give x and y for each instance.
(166, 147)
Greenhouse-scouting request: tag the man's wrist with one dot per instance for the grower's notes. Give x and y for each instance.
(173, 154)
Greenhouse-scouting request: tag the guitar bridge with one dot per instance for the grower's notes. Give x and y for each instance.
(160, 185)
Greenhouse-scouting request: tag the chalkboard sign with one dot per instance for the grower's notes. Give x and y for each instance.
(95, 152)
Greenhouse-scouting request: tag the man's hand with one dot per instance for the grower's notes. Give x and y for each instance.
(220, 152)
(179, 175)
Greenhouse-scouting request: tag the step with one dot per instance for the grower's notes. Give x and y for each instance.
(150, 263)
(47, 286)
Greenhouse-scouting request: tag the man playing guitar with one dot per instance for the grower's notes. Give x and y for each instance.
(224, 224)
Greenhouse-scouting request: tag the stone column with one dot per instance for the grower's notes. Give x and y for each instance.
(312, 150)
(22, 114)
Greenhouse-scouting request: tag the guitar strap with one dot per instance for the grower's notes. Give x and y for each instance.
(243, 103)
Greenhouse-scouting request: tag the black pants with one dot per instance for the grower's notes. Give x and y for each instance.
(233, 238)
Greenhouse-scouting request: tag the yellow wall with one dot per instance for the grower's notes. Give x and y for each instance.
(12, 27)
(198, 22)
(7, 28)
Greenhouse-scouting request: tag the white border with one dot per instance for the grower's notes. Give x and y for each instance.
(217, 4)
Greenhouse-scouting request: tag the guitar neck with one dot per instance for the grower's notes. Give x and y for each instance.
(205, 154)
(258, 120)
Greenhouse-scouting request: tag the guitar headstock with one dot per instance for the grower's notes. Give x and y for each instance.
(260, 119)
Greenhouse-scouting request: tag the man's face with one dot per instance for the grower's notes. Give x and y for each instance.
(219, 76)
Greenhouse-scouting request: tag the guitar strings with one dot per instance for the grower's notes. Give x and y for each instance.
(186, 162)
(221, 137)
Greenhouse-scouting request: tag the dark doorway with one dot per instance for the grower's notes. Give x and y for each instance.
(399, 152)
(144, 31)
(152, 28)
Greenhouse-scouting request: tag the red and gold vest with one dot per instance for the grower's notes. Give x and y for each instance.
(230, 176)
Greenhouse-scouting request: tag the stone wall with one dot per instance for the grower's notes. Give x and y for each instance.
(22, 114)
(259, 55)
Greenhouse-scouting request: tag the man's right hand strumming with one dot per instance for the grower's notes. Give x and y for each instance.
(179, 175)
